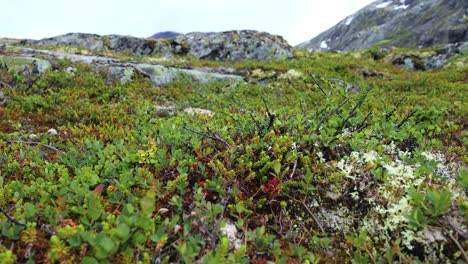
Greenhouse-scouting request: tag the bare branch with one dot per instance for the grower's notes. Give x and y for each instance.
(325, 118)
(270, 116)
(463, 251)
(11, 218)
(407, 117)
(6, 84)
(310, 212)
(318, 85)
(294, 169)
(35, 143)
(210, 135)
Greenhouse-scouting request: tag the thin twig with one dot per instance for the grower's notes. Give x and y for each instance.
(318, 85)
(458, 245)
(6, 84)
(11, 218)
(324, 119)
(310, 212)
(270, 115)
(293, 170)
(211, 135)
(35, 143)
(407, 117)
(456, 229)
(352, 113)
(255, 122)
(389, 115)
(363, 124)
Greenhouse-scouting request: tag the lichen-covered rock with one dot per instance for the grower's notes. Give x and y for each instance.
(20, 63)
(426, 60)
(90, 41)
(137, 46)
(236, 45)
(114, 43)
(114, 69)
(401, 23)
(162, 75)
(231, 45)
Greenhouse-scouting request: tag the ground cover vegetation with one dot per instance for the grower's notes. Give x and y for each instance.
(322, 159)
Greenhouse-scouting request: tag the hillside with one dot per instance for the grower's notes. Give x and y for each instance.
(120, 156)
(399, 23)
(166, 35)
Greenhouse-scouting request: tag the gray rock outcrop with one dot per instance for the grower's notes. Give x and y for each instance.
(115, 70)
(230, 45)
(427, 60)
(400, 23)
(236, 45)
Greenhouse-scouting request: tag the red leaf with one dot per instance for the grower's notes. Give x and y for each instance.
(99, 189)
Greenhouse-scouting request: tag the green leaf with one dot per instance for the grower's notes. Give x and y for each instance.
(122, 232)
(107, 244)
(89, 260)
(277, 168)
(416, 197)
(440, 201)
(416, 218)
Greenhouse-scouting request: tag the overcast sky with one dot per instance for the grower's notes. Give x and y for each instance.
(296, 20)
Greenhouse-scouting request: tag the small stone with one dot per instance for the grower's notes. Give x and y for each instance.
(70, 70)
(333, 196)
(177, 228)
(194, 111)
(3, 98)
(163, 211)
(52, 131)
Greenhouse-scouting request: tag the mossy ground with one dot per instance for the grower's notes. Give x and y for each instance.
(306, 171)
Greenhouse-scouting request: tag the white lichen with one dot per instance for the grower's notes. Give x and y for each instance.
(230, 231)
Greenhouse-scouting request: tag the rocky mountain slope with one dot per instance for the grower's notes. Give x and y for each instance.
(227, 46)
(166, 35)
(401, 23)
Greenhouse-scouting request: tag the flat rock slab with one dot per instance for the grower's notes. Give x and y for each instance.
(116, 69)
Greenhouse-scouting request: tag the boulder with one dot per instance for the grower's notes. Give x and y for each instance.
(427, 60)
(20, 64)
(90, 41)
(137, 46)
(236, 45)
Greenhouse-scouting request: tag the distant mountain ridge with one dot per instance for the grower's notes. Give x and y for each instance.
(400, 23)
(166, 35)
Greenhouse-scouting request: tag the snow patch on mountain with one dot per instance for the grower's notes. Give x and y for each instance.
(385, 4)
(324, 45)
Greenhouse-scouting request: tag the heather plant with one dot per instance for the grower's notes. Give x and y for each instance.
(292, 167)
